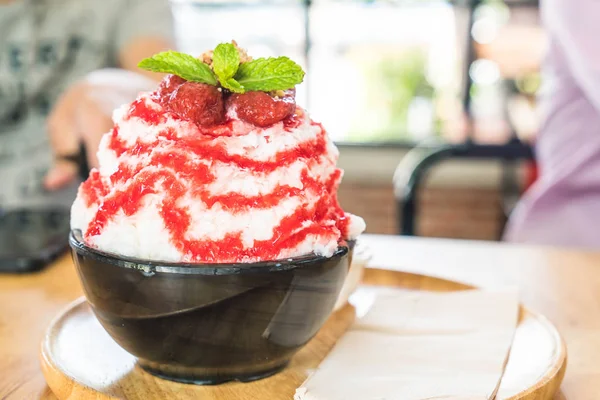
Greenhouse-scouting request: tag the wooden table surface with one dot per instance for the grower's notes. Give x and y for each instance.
(563, 285)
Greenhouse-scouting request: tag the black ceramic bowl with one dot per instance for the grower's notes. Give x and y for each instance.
(208, 324)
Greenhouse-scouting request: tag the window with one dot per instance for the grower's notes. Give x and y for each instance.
(387, 71)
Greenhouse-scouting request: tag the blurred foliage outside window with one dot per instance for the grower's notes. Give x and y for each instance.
(396, 99)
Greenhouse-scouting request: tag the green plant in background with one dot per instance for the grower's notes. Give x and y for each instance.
(529, 83)
(393, 82)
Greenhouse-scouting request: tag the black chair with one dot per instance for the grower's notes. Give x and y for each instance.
(418, 162)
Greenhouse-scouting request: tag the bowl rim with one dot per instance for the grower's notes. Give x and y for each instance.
(153, 266)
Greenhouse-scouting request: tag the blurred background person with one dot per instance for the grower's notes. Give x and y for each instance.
(563, 207)
(64, 66)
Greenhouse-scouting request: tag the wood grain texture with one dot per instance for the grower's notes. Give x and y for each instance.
(563, 285)
(110, 373)
(27, 305)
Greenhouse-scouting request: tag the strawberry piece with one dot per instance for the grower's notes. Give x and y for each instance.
(262, 109)
(197, 102)
(168, 85)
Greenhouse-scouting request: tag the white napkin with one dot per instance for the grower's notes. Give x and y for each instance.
(420, 345)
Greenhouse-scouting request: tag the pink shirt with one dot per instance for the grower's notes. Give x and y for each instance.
(563, 207)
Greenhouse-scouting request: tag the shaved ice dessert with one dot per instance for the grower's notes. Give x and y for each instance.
(217, 165)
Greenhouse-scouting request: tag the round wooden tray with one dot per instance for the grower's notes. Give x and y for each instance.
(80, 361)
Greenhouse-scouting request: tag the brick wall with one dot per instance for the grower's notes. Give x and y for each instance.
(464, 213)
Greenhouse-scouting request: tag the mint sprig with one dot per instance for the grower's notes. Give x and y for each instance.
(180, 64)
(233, 86)
(226, 60)
(268, 74)
(262, 74)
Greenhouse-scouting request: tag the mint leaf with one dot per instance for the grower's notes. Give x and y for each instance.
(233, 86)
(226, 60)
(180, 64)
(267, 74)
